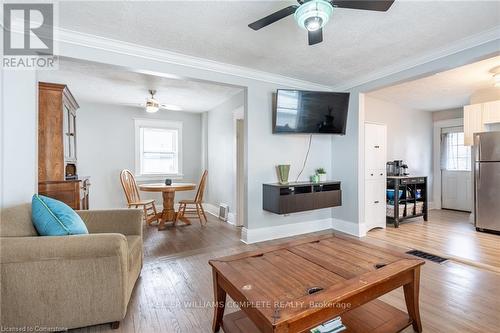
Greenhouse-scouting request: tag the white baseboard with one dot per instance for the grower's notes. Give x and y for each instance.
(250, 236)
(351, 228)
(214, 210)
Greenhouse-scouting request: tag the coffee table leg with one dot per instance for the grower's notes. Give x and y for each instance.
(220, 303)
(411, 291)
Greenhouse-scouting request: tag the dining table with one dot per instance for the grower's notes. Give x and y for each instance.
(168, 214)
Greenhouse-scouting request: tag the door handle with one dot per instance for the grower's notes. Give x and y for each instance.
(478, 171)
(376, 201)
(371, 174)
(376, 146)
(381, 174)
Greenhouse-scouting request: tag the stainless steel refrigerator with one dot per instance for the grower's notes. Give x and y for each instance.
(487, 181)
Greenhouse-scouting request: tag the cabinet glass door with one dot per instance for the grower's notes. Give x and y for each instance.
(66, 131)
(72, 136)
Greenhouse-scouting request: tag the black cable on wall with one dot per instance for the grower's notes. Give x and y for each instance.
(305, 159)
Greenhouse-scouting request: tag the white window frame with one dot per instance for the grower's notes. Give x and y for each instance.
(160, 124)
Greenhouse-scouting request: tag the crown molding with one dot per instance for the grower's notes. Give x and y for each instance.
(447, 50)
(126, 48)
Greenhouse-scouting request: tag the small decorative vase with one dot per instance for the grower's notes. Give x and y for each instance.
(168, 182)
(283, 171)
(315, 178)
(322, 177)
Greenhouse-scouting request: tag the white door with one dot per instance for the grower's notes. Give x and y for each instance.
(456, 175)
(457, 190)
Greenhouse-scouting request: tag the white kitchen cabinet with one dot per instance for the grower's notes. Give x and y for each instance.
(473, 122)
(375, 176)
(491, 112)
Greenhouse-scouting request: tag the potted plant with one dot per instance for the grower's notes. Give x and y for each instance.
(321, 174)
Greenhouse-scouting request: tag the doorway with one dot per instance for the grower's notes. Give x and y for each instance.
(456, 175)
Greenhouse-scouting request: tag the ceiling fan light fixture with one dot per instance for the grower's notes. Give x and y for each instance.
(313, 23)
(151, 108)
(314, 14)
(152, 105)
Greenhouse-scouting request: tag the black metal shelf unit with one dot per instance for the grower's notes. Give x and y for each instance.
(408, 185)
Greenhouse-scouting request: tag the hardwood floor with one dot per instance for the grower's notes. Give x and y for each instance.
(447, 233)
(174, 292)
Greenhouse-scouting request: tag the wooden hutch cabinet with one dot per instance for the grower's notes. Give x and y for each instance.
(57, 161)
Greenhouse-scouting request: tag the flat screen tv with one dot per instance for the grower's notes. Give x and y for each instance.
(311, 112)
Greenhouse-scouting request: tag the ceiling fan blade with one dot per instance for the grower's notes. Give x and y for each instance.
(378, 5)
(276, 16)
(170, 107)
(315, 37)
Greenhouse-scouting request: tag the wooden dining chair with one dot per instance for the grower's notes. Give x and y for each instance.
(194, 208)
(134, 199)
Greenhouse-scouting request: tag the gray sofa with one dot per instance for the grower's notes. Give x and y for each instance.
(68, 281)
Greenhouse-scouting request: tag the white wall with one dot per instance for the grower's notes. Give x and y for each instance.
(266, 150)
(19, 123)
(105, 146)
(221, 153)
(409, 135)
(345, 163)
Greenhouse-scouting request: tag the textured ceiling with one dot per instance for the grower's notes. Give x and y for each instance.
(97, 83)
(445, 90)
(356, 42)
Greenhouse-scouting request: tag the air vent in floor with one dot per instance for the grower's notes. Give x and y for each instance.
(427, 256)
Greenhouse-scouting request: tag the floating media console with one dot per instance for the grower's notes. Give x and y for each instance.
(301, 196)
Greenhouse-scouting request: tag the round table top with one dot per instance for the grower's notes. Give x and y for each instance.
(161, 187)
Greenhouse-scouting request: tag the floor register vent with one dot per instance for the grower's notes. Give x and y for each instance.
(427, 256)
(223, 212)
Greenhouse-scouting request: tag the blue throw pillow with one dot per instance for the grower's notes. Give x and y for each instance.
(52, 217)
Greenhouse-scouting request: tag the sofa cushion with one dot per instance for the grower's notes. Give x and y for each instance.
(52, 217)
(15, 221)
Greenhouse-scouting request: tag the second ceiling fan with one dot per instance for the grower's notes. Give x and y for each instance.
(313, 15)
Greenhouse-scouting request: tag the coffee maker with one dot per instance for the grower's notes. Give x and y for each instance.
(404, 170)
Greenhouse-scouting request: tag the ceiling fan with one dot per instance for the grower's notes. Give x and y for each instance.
(313, 15)
(153, 105)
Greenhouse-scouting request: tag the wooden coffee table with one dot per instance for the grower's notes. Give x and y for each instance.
(296, 286)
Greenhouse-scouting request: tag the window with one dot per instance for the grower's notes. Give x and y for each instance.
(158, 148)
(456, 156)
(288, 109)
